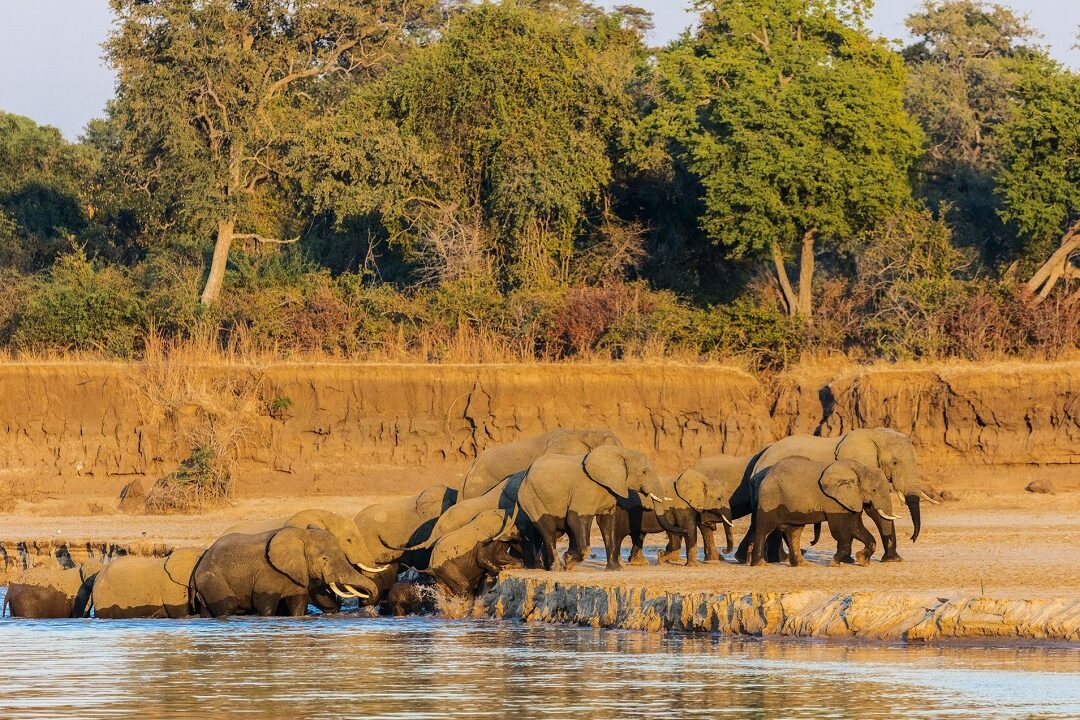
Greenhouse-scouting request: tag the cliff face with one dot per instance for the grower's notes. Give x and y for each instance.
(893, 616)
(89, 428)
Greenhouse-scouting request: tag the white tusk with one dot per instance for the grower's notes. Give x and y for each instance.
(339, 592)
(899, 495)
(656, 498)
(375, 570)
(887, 516)
(667, 499)
(357, 593)
(726, 521)
(929, 499)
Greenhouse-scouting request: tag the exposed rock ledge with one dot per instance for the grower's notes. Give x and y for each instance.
(910, 617)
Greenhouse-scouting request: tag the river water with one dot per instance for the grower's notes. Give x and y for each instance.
(421, 667)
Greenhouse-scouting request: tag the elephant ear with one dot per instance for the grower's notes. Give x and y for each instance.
(693, 487)
(286, 553)
(840, 482)
(181, 563)
(606, 465)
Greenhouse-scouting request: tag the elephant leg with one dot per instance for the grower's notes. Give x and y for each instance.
(763, 528)
(887, 530)
(729, 539)
(708, 539)
(549, 533)
(742, 554)
(774, 547)
(840, 527)
(612, 545)
(670, 554)
(579, 527)
(865, 537)
(454, 580)
(295, 605)
(217, 599)
(691, 546)
(637, 540)
(793, 536)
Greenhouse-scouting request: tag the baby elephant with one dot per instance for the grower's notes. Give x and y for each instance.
(796, 492)
(52, 592)
(461, 559)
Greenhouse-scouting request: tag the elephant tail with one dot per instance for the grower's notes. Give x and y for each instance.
(817, 533)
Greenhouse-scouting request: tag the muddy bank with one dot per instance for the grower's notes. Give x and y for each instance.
(16, 556)
(318, 429)
(889, 616)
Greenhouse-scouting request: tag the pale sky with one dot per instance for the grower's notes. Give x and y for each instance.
(51, 68)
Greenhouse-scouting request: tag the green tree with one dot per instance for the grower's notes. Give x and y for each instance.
(212, 95)
(45, 200)
(1039, 182)
(491, 151)
(958, 89)
(792, 117)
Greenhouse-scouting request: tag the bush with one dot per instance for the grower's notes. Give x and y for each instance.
(202, 481)
(81, 307)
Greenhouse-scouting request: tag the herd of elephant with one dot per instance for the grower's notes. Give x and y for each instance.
(515, 503)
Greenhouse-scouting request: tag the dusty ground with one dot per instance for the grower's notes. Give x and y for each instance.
(1006, 544)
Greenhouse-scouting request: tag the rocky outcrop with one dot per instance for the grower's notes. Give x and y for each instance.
(894, 616)
(91, 428)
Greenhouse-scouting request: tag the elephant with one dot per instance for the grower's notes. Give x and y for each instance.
(344, 530)
(796, 492)
(687, 501)
(492, 466)
(725, 473)
(387, 527)
(463, 558)
(503, 497)
(890, 451)
(564, 493)
(52, 592)
(277, 572)
(409, 598)
(146, 587)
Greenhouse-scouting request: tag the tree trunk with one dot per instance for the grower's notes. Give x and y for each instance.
(221, 258)
(1046, 278)
(786, 291)
(806, 275)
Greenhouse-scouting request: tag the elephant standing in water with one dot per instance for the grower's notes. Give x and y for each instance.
(388, 527)
(276, 573)
(888, 450)
(52, 592)
(796, 492)
(462, 558)
(492, 466)
(146, 587)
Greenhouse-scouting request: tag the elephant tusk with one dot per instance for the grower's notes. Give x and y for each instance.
(726, 521)
(887, 516)
(373, 570)
(357, 593)
(656, 498)
(339, 592)
(929, 499)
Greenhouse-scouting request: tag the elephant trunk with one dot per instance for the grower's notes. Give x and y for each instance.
(912, 501)
(671, 527)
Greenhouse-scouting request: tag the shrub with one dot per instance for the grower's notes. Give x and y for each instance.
(81, 307)
(202, 481)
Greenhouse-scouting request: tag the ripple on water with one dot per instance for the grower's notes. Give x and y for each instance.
(416, 667)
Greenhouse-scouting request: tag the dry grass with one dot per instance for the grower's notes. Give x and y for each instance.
(211, 414)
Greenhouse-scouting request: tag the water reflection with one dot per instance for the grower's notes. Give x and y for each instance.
(334, 667)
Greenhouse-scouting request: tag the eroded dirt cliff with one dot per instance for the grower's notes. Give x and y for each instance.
(316, 428)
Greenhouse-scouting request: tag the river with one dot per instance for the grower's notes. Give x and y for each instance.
(417, 667)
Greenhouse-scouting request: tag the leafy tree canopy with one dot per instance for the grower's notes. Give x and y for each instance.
(792, 118)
